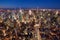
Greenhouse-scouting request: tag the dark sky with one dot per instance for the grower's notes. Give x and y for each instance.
(30, 4)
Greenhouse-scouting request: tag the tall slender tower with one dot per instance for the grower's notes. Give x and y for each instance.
(37, 26)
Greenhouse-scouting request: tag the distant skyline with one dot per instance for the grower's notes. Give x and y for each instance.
(53, 4)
